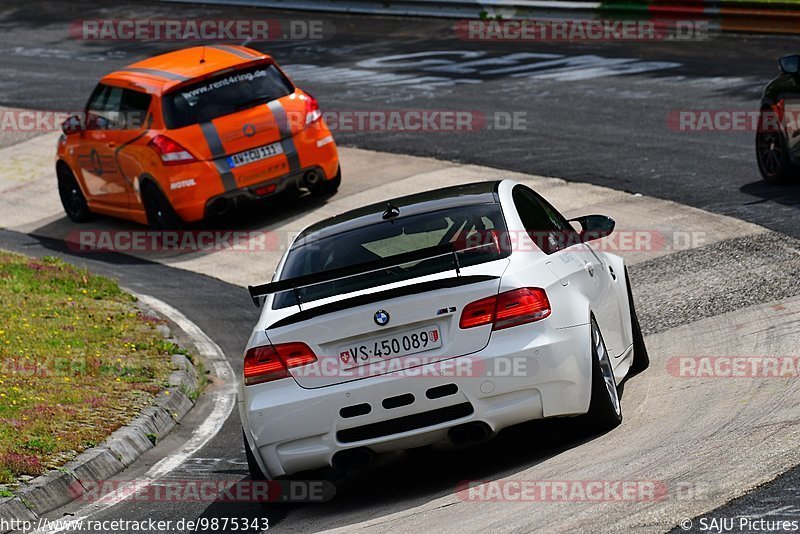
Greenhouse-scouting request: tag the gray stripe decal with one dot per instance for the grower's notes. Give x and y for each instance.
(160, 73)
(232, 50)
(218, 154)
(287, 141)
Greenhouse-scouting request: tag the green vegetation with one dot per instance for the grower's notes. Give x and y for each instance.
(78, 360)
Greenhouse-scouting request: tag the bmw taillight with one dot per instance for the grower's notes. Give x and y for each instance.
(313, 112)
(511, 308)
(170, 151)
(272, 362)
(478, 313)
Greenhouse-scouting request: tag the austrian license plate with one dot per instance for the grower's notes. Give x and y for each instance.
(255, 154)
(384, 348)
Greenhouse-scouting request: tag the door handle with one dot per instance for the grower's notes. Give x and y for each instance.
(589, 268)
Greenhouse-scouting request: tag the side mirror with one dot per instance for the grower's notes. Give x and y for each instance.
(790, 64)
(96, 122)
(72, 125)
(594, 227)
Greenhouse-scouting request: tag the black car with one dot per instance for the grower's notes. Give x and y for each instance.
(778, 136)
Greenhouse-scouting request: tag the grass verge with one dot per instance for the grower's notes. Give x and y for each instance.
(78, 360)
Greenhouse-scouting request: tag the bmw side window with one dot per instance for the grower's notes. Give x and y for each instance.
(103, 109)
(135, 105)
(548, 229)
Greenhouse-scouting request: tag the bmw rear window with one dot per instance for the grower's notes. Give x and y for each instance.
(468, 227)
(224, 94)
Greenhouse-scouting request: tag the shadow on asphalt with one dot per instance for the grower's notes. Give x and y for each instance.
(787, 194)
(398, 481)
(252, 216)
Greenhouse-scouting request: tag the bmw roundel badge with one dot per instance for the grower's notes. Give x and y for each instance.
(381, 317)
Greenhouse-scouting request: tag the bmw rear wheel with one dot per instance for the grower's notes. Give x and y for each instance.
(252, 465)
(641, 360)
(605, 411)
(773, 156)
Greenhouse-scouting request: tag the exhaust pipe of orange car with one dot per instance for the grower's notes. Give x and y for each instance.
(469, 433)
(220, 206)
(352, 458)
(311, 178)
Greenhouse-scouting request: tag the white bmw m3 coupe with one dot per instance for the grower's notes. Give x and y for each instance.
(436, 318)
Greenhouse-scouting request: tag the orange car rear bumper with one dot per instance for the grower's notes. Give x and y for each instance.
(205, 195)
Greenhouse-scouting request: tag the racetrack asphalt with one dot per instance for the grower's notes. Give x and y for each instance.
(580, 123)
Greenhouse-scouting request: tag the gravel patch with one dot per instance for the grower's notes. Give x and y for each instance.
(694, 284)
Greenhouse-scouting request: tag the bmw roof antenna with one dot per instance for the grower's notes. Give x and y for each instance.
(203, 54)
(391, 213)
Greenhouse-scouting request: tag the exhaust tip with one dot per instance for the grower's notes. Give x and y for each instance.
(469, 433)
(459, 436)
(352, 459)
(311, 178)
(362, 457)
(220, 206)
(342, 460)
(478, 432)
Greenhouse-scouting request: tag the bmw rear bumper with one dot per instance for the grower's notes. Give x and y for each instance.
(542, 373)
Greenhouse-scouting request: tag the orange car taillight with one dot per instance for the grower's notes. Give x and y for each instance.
(272, 362)
(171, 152)
(511, 308)
(313, 112)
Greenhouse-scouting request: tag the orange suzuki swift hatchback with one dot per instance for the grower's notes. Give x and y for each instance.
(188, 134)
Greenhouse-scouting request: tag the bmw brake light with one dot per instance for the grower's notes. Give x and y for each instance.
(521, 306)
(511, 308)
(478, 313)
(170, 151)
(272, 362)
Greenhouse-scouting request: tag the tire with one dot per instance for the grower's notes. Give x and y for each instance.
(160, 215)
(605, 411)
(72, 199)
(641, 360)
(772, 154)
(328, 187)
(252, 465)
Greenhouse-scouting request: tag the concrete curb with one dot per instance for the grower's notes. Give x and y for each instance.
(124, 446)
